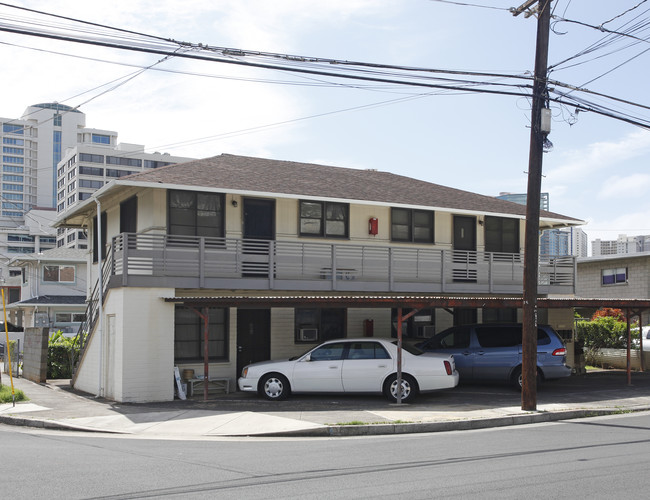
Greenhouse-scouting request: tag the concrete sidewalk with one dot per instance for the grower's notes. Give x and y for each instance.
(55, 406)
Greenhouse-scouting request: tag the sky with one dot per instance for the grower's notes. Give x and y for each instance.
(597, 170)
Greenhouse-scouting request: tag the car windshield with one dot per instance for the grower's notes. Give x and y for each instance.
(301, 355)
(410, 348)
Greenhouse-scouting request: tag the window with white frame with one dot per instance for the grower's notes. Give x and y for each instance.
(615, 276)
(58, 273)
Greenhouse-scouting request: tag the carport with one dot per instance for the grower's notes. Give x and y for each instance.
(199, 305)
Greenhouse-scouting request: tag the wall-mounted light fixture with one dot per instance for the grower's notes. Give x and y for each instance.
(233, 202)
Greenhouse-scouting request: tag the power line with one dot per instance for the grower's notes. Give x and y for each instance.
(369, 72)
(463, 4)
(623, 13)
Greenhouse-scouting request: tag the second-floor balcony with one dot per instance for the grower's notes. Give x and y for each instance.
(242, 264)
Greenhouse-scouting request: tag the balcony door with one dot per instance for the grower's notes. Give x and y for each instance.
(464, 256)
(259, 230)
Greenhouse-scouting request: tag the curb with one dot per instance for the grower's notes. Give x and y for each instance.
(39, 423)
(368, 429)
(452, 425)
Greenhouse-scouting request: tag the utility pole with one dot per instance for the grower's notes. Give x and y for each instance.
(531, 243)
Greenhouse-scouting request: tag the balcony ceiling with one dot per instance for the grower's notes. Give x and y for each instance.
(404, 301)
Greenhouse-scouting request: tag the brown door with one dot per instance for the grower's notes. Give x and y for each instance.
(464, 256)
(253, 336)
(259, 231)
(464, 233)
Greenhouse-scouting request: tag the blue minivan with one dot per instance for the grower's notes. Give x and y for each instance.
(492, 352)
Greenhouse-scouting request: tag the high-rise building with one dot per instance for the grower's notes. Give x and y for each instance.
(563, 241)
(520, 198)
(554, 242)
(32, 148)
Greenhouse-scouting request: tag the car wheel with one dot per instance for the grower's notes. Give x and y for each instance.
(409, 388)
(518, 378)
(274, 387)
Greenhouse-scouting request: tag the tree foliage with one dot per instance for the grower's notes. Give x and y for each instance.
(609, 312)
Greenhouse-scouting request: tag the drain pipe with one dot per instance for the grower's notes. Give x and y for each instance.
(100, 284)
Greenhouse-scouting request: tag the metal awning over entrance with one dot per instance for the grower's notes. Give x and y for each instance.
(414, 302)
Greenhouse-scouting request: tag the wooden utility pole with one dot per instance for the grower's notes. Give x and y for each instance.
(531, 243)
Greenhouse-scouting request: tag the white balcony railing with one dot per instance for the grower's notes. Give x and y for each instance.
(202, 262)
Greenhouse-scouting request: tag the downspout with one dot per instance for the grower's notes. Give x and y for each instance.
(100, 324)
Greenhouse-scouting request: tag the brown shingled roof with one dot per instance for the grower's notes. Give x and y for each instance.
(243, 173)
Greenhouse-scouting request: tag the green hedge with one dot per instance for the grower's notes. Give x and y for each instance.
(603, 332)
(62, 354)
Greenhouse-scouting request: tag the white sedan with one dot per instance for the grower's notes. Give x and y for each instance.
(352, 366)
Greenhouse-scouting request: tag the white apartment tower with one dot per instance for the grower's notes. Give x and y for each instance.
(32, 148)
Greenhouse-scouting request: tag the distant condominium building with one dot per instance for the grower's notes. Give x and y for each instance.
(87, 167)
(622, 245)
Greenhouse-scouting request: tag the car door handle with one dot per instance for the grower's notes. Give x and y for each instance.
(382, 366)
(333, 367)
(480, 353)
(466, 353)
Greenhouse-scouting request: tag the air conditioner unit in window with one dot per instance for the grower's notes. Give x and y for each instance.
(425, 331)
(308, 334)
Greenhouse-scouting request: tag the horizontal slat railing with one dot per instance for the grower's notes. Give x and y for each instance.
(205, 262)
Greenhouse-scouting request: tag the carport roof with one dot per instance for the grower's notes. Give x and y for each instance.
(406, 301)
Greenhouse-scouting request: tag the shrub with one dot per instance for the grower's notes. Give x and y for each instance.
(5, 394)
(62, 354)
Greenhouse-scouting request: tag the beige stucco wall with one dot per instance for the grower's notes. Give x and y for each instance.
(152, 218)
(152, 211)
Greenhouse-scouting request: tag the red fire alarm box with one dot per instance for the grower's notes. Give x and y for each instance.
(373, 225)
(368, 327)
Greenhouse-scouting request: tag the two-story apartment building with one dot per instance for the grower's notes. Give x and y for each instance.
(186, 250)
(53, 289)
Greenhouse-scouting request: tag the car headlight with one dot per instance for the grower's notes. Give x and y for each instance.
(244, 372)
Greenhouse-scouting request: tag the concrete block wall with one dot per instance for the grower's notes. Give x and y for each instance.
(638, 279)
(35, 354)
